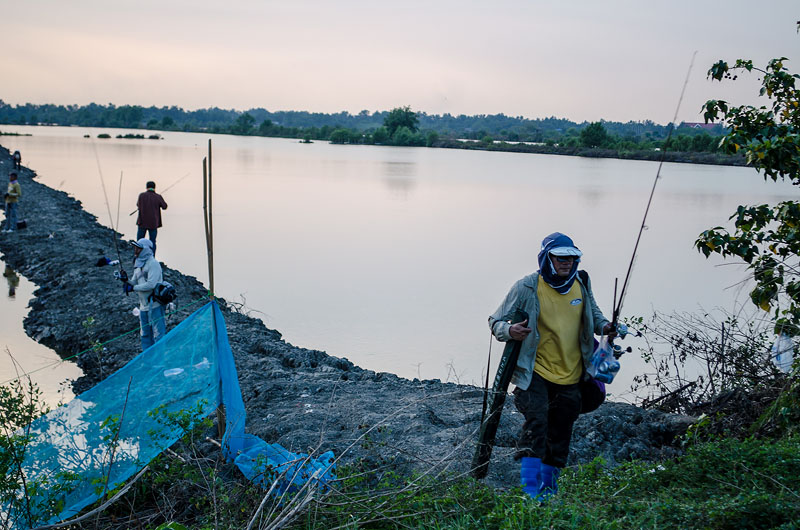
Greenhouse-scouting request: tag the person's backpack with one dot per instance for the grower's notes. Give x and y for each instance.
(593, 392)
(164, 293)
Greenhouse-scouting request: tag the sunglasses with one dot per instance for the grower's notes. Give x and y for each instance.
(565, 259)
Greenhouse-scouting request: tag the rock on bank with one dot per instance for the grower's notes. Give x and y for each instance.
(304, 399)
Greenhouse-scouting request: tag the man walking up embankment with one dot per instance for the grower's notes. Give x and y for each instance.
(553, 358)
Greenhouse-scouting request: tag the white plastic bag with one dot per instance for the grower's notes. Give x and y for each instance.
(603, 366)
(783, 353)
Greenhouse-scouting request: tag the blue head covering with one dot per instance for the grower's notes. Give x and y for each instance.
(147, 252)
(558, 244)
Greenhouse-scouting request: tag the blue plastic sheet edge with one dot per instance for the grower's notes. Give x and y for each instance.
(259, 461)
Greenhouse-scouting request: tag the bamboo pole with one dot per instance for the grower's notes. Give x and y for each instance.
(210, 221)
(221, 417)
(205, 221)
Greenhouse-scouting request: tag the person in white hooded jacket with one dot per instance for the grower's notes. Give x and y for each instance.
(146, 275)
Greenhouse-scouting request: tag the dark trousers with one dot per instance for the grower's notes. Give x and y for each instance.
(153, 232)
(550, 410)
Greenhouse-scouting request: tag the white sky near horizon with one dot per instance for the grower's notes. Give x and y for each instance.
(616, 60)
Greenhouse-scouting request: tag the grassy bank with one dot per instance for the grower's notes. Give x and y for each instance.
(719, 484)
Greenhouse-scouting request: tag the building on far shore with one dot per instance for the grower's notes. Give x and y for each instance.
(706, 126)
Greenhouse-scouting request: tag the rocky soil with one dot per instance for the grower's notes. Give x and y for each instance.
(304, 399)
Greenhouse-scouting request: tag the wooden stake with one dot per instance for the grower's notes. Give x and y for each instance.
(221, 421)
(207, 219)
(210, 221)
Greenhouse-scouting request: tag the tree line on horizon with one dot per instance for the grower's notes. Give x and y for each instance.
(399, 126)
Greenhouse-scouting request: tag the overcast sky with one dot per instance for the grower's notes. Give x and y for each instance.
(616, 60)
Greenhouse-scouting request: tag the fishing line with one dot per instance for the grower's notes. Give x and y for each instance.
(119, 197)
(486, 386)
(165, 190)
(108, 206)
(176, 182)
(623, 291)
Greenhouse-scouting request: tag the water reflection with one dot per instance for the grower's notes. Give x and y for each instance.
(21, 355)
(12, 278)
(399, 187)
(591, 195)
(399, 178)
(245, 157)
(394, 168)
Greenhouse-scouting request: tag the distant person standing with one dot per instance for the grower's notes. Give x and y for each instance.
(12, 198)
(150, 205)
(17, 160)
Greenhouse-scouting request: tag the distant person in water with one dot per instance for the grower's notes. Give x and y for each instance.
(17, 160)
(12, 198)
(150, 205)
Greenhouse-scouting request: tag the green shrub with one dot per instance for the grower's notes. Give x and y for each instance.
(341, 136)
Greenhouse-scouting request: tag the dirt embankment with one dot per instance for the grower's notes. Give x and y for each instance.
(303, 399)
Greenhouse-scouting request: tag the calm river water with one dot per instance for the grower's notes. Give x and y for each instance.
(20, 354)
(394, 257)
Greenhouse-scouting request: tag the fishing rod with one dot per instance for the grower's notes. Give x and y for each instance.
(618, 304)
(119, 196)
(165, 189)
(604, 363)
(120, 274)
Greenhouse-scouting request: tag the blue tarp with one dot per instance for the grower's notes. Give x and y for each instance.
(191, 369)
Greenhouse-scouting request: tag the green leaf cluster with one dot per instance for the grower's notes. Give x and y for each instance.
(767, 237)
(24, 502)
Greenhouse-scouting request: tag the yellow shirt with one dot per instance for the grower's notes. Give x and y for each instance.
(14, 192)
(558, 356)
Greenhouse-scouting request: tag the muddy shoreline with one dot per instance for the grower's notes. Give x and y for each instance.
(304, 399)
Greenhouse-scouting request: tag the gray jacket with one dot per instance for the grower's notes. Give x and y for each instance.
(144, 280)
(522, 297)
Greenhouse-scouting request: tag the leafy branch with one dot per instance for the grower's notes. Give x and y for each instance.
(766, 237)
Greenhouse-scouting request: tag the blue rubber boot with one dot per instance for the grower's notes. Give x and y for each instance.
(529, 475)
(548, 485)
